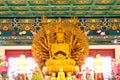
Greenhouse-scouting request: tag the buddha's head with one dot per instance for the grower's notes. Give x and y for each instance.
(98, 56)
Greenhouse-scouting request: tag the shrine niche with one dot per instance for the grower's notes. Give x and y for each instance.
(60, 47)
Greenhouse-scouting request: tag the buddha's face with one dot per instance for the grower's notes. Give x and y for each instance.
(98, 56)
(60, 37)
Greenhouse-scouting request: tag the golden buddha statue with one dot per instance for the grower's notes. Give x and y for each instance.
(60, 54)
(60, 49)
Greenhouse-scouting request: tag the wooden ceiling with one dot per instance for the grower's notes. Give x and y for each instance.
(60, 8)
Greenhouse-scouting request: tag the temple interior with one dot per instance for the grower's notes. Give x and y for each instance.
(23, 24)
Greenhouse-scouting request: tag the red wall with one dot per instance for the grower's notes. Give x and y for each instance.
(102, 52)
(17, 53)
(92, 52)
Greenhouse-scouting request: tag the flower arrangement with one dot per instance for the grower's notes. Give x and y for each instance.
(37, 74)
(3, 66)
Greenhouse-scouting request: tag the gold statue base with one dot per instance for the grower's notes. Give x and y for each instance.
(60, 49)
(61, 69)
(53, 65)
(61, 76)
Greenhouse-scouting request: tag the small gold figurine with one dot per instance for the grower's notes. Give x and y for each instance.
(61, 74)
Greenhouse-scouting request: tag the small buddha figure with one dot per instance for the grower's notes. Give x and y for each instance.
(69, 76)
(53, 77)
(98, 63)
(98, 75)
(61, 75)
(22, 64)
(22, 67)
